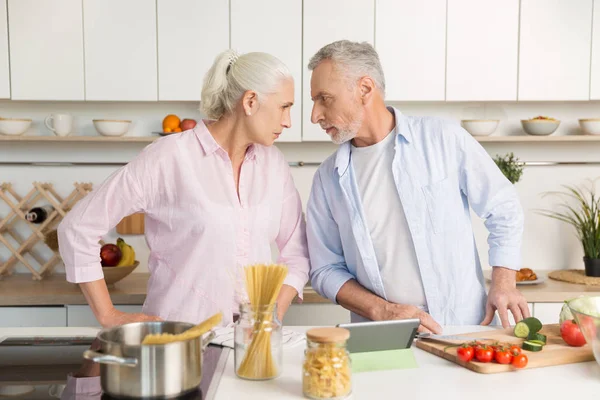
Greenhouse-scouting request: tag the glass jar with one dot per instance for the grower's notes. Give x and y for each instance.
(327, 370)
(258, 343)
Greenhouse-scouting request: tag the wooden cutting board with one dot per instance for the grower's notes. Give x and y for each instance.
(555, 352)
(131, 225)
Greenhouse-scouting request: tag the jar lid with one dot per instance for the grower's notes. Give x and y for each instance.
(328, 335)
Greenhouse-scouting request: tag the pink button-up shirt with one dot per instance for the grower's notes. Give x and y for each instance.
(199, 232)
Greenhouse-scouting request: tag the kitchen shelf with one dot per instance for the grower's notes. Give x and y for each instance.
(149, 139)
(539, 139)
(79, 139)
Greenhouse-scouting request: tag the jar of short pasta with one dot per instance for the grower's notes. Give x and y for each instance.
(327, 368)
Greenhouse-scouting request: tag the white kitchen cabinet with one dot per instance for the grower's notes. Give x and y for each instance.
(483, 43)
(120, 50)
(4, 65)
(191, 33)
(81, 315)
(410, 38)
(595, 84)
(326, 21)
(13, 317)
(277, 32)
(46, 50)
(327, 314)
(548, 313)
(554, 53)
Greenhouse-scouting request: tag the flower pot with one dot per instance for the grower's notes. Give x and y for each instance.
(592, 266)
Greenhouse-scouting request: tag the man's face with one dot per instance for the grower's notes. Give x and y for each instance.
(336, 103)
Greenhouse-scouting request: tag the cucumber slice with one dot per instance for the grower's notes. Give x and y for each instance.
(527, 326)
(532, 346)
(537, 337)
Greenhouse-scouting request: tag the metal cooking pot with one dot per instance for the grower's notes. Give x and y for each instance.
(128, 369)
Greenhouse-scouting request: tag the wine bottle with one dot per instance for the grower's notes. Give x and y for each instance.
(37, 215)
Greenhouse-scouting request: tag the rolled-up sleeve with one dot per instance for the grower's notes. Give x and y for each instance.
(291, 239)
(328, 271)
(96, 214)
(493, 198)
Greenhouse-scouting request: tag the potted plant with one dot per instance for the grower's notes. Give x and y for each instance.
(510, 166)
(584, 216)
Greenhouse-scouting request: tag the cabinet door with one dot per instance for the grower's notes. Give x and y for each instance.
(483, 42)
(410, 38)
(327, 21)
(120, 50)
(595, 90)
(190, 35)
(17, 317)
(79, 315)
(4, 67)
(278, 32)
(554, 54)
(46, 54)
(548, 313)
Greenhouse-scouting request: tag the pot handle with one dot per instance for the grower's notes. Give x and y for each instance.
(109, 359)
(206, 341)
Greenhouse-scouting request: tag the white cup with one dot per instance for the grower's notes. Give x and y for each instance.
(61, 124)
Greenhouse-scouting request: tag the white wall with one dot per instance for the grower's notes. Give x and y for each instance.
(547, 244)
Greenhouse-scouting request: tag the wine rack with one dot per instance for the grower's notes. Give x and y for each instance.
(22, 246)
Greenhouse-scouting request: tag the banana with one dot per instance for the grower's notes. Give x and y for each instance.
(128, 257)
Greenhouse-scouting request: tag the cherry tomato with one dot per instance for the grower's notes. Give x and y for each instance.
(484, 354)
(515, 350)
(519, 361)
(465, 353)
(503, 356)
(571, 333)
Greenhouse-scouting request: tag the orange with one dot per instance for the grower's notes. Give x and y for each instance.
(167, 130)
(177, 130)
(171, 121)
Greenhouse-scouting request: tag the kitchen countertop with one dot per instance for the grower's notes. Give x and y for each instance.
(451, 381)
(22, 290)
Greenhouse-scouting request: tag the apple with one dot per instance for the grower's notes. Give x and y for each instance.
(110, 254)
(187, 124)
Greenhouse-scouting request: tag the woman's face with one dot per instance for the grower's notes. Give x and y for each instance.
(268, 118)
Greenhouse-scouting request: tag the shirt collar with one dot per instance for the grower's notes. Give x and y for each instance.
(210, 145)
(342, 159)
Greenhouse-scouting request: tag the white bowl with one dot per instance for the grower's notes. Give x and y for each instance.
(111, 127)
(540, 127)
(480, 127)
(16, 390)
(590, 126)
(14, 126)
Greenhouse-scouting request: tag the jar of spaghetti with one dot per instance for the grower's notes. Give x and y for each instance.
(258, 343)
(326, 373)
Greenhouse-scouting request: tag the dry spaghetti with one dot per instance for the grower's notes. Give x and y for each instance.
(263, 283)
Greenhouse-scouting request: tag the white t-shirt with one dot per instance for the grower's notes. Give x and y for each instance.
(385, 219)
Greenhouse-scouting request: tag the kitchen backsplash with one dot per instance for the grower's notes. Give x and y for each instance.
(547, 244)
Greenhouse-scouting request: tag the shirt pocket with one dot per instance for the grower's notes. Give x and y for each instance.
(444, 205)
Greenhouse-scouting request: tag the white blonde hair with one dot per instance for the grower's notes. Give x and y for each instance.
(353, 59)
(231, 75)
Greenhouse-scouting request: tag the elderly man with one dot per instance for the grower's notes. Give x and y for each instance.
(388, 221)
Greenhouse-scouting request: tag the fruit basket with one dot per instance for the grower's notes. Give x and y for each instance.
(118, 260)
(115, 274)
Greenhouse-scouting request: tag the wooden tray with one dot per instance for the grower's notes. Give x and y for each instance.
(556, 351)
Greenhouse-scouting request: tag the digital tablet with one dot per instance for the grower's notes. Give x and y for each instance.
(381, 335)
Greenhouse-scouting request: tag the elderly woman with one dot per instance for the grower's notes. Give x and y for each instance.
(215, 198)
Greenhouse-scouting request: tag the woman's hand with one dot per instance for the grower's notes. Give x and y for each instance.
(115, 317)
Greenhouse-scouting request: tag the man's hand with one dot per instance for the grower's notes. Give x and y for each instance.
(115, 317)
(504, 296)
(392, 311)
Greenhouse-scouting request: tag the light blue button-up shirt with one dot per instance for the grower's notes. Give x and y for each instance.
(440, 172)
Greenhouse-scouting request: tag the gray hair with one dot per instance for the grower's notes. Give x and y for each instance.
(231, 75)
(354, 59)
